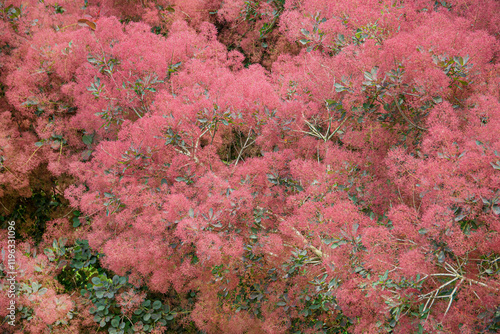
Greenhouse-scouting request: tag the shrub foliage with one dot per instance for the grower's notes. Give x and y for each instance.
(251, 166)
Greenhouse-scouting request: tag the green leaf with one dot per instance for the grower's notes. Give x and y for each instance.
(156, 304)
(422, 231)
(115, 322)
(62, 241)
(88, 139)
(304, 41)
(496, 165)
(339, 88)
(437, 99)
(441, 257)
(76, 222)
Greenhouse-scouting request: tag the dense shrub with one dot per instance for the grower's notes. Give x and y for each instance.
(252, 166)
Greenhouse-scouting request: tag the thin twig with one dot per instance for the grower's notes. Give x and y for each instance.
(406, 117)
(244, 147)
(32, 155)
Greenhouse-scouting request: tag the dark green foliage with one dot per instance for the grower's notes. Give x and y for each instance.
(31, 214)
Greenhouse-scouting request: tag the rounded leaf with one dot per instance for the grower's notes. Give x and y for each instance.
(115, 322)
(156, 304)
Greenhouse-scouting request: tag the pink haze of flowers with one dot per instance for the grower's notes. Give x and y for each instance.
(350, 154)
